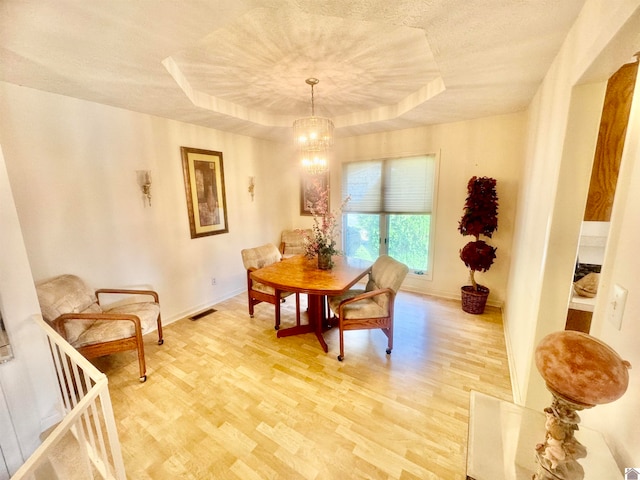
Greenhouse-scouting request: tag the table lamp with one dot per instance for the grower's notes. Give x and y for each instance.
(580, 371)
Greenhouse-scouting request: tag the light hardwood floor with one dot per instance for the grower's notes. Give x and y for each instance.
(225, 398)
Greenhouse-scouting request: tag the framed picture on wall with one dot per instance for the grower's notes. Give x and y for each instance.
(204, 187)
(310, 187)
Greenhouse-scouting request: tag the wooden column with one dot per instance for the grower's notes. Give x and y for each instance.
(613, 128)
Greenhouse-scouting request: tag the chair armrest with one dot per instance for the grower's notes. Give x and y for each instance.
(369, 294)
(125, 291)
(59, 322)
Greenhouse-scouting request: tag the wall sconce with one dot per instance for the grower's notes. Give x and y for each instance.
(144, 181)
(252, 186)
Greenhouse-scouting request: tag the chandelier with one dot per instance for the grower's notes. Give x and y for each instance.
(313, 137)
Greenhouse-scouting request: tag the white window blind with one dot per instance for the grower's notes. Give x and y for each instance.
(397, 185)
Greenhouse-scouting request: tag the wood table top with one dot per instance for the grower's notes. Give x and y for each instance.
(302, 275)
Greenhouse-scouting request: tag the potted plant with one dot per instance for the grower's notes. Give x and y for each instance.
(480, 218)
(321, 240)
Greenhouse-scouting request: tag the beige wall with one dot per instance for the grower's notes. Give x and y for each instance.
(78, 190)
(72, 166)
(491, 147)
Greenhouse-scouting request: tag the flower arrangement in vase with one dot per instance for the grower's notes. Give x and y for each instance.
(321, 242)
(480, 218)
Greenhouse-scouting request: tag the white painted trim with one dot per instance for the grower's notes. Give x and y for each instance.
(9, 445)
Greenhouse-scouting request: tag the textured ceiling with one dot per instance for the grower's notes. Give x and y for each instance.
(241, 65)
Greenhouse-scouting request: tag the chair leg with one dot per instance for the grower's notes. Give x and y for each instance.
(277, 306)
(341, 356)
(249, 298)
(141, 362)
(160, 337)
(297, 309)
(389, 333)
(250, 306)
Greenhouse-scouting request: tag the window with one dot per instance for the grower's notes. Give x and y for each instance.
(390, 210)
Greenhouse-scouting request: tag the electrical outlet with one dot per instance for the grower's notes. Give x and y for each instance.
(213, 281)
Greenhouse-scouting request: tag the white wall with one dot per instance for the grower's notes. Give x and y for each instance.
(493, 147)
(72, 166)
(618, 420)
(536, 296)
(27, 383)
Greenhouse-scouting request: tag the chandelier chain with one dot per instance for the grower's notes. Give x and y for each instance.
(313, 111)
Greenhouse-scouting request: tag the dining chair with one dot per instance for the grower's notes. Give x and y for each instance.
(94, 329)
(292, 242)
(254, 259)
(372, 307)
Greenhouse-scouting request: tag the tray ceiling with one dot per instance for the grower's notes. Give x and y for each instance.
(240, 66)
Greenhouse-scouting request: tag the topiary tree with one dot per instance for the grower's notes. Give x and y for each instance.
(480, 218)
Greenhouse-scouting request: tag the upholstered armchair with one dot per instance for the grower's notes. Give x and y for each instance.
(254, 259)
(75, 312)
(292, 242)
(372, 307)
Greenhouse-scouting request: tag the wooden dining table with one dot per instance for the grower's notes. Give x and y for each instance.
(299, 274)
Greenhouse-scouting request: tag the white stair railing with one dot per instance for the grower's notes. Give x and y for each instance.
(85, 400)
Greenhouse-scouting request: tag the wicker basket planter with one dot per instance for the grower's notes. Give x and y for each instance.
(472, 301)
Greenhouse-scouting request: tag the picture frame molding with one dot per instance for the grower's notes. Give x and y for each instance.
(306, 183)
(198, 197)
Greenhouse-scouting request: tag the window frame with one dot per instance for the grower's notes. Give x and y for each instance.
(384, 216)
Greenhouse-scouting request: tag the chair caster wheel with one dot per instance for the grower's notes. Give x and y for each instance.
(250, 316)
(340, 358)
(143, 379)
(388, 351)
(161, 341)
(277, 327)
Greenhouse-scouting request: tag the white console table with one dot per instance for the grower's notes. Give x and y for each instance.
(503, 437)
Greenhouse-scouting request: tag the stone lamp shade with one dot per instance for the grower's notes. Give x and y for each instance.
(580, 371)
